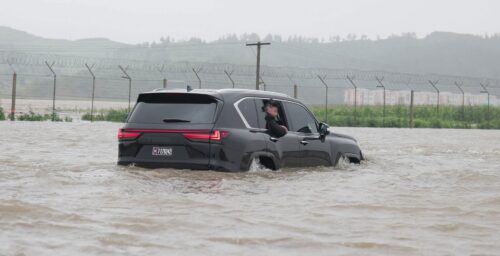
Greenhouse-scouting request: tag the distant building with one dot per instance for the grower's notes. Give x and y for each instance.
(376, 97)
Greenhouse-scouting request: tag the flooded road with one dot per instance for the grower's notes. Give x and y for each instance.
(420, 192)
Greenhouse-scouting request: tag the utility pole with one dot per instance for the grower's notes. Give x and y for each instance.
(93, 91)
(257, 79)
(381, 85)
(322, 79)
(228, 74)
(351, 80)
(459, 85)
(196, 71)
(126, 76)
(434, 83)
(488, 111)
(53, 91)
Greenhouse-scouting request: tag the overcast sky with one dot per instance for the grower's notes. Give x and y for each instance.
(135, 21)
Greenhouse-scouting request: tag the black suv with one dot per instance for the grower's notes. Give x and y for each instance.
(225, 130)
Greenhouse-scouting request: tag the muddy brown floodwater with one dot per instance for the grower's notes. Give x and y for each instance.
(420, 192)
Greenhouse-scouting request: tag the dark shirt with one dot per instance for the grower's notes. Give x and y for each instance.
(274, 128)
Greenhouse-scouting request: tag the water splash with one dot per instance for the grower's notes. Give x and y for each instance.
(256, 166)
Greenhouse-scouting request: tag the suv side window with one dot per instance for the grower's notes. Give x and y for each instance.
(247, 109)
(300, 119)
(261, 114)
(261, 103)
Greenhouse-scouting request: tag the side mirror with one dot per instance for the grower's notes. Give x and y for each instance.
(323, 129)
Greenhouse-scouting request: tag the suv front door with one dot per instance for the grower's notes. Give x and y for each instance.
(313, 150)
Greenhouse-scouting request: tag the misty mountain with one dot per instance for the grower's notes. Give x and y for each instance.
(439, 52)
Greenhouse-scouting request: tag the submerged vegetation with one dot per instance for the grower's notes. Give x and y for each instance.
(31, 116)
(423, 116)
(112, 115)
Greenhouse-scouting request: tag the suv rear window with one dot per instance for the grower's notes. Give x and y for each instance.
(247, 109)
(161, 108)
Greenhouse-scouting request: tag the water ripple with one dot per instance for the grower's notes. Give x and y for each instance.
(420, 192)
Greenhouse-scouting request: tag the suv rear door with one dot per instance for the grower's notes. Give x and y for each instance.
(285, 148)
(170, 128)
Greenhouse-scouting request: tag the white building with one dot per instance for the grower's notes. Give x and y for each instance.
(376, 97)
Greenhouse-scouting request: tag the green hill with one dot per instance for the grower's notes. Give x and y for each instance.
(439, 52)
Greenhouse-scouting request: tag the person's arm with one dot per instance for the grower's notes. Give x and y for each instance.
(273, 126)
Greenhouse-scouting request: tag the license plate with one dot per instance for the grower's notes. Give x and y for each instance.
(162, 151)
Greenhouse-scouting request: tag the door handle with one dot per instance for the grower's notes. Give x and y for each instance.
(273, 139)
(304, 142)
(311, 138)
(258, 130)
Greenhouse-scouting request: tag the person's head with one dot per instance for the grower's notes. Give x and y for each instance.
(272, 108)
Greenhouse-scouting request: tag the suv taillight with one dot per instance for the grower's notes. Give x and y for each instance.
(124, 134)
(193, 135)
(215, 136)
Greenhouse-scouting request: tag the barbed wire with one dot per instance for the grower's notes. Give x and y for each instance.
(31, 64)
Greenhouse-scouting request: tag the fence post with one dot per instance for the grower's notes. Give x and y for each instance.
(54, 90)
(459, 85)
(434, 83)
(262, 82)
(381, 85)
(351, 80)
(322, 79)
(126, 76)
(294, 85)
(13, 102)
(411, 109)
(161, 70)
(488, 110)
(295, 91)
(197, 76)
(228, 74)
(93, 91)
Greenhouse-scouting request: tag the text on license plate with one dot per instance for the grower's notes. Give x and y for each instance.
(162, 151)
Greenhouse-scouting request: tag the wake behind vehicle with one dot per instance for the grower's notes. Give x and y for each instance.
(225, 130)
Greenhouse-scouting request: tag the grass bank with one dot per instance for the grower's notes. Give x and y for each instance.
(372, 116)
(111, 115)
(424, 116)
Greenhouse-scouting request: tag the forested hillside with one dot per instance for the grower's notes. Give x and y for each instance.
(439, 52)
